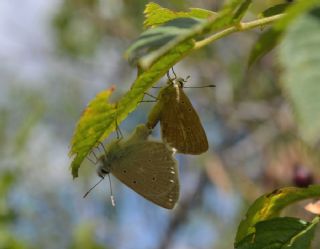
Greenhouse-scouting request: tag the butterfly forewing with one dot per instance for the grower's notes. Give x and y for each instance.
(180, 124)
(149, 169)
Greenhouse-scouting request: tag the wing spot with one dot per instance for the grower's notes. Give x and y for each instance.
(124, 171)
(189, 109)
(170, 200)
(172, 172)
(172, 181)
(153, 178)
(134, 182)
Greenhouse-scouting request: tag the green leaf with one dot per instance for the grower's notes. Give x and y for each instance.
(152, 39)
(279, 233)
(270, 205)
(225, 18)
(156, 15)
(242, 10)
(275, 10)
(84, 237)
(300, 57)
(265, 43)
(96, 120)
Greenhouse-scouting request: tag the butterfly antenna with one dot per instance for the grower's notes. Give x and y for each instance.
(186, 79)
(199, 86)
(85, 195)
(113, 202)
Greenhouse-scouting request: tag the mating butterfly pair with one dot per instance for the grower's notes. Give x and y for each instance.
(147, 166)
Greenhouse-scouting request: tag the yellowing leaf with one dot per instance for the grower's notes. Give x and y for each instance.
(156, 15)
(96, 119)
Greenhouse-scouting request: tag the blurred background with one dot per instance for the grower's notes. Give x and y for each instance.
(56, 55)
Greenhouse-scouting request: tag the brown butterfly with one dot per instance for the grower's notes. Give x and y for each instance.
(181, 127)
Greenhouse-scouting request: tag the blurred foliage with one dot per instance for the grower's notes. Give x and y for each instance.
(77, 30)
(300, 55)
(84, 237)
(255, 146)
(7, 216)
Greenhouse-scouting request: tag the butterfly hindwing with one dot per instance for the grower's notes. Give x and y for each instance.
(180, 124)
(148, 168)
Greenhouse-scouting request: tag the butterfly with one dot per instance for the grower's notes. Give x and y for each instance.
(145, 166)
(180, 124)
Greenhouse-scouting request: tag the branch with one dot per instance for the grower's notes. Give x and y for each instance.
(236, 28)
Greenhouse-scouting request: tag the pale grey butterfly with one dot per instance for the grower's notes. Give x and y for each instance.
(147, 167)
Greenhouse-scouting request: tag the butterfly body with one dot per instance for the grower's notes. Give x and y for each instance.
(145, 166)
(180, 124)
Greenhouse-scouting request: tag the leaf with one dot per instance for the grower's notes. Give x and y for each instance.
(270, 205)
(275, 10)
(242, 10)
(98, 117)
(279, 233)
(152, 39)
(225, 18)
(156, 15)
(300, 57)
(265, 43)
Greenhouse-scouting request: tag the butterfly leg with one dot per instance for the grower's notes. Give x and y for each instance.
(104, 149)
(174, 73)
(95, 157)
(155, 99)
(118, 131)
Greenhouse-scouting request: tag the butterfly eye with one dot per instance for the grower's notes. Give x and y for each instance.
(180, 82)
(101, 171)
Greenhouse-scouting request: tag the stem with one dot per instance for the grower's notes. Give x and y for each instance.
(238, 27)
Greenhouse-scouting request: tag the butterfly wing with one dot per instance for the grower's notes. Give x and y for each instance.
(180, 124)
(148, 168)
